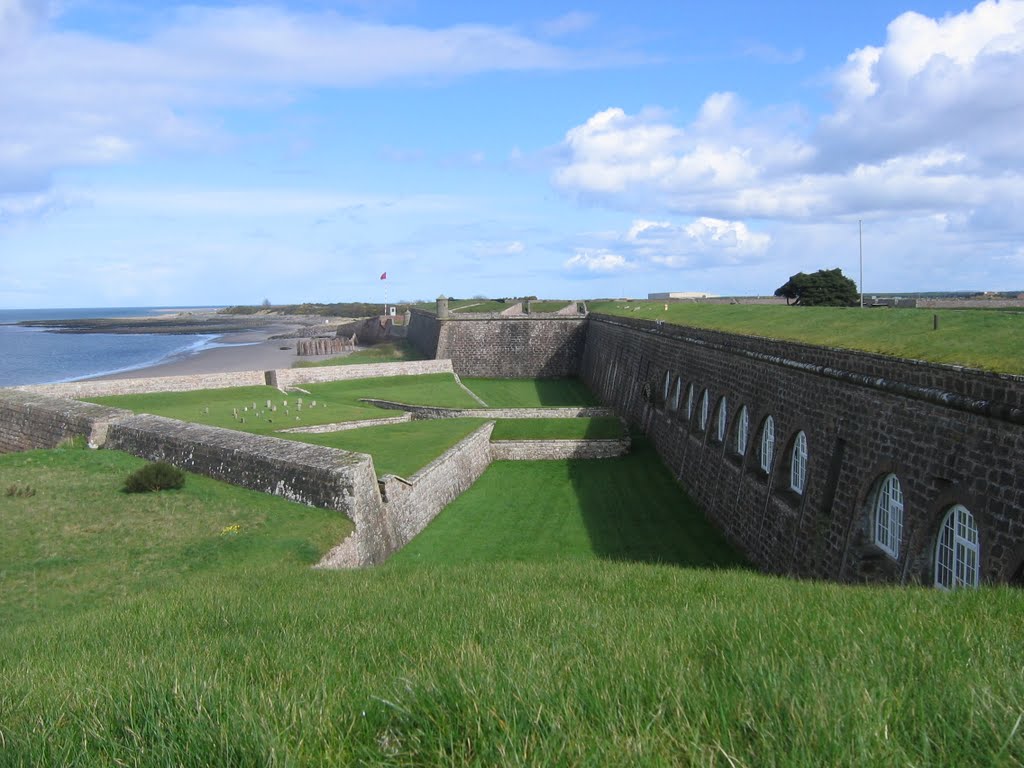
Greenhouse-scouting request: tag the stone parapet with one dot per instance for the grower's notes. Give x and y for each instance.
(435, 412)
(550, 450)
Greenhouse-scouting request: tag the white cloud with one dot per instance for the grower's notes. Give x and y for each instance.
(567, 24)
(923, 143)
(600, 261)
(82, 99)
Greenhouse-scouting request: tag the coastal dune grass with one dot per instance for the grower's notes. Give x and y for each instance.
(249, 657)
(988, 339)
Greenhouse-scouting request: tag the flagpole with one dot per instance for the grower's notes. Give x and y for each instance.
(860, 239)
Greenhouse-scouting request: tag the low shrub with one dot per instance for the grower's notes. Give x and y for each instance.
(158, 476)
(20, 491)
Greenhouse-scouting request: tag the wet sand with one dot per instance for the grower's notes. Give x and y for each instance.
(241, 351)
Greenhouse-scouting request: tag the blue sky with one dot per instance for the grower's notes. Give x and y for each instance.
(220, 153)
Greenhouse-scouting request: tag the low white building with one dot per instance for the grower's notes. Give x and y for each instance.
(680, 295)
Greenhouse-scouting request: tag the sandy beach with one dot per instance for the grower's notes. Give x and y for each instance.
(248, 350)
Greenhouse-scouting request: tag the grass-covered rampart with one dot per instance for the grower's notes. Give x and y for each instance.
(215, 650)
(979, 338)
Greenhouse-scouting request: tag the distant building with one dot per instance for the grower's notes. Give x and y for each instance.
(680, 295)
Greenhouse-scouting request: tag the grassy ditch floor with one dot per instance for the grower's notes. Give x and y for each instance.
(398, 449)
(325, 403)
(253, 659)
(531, 393)
(980, 338)
(599, 428)
(628, 508)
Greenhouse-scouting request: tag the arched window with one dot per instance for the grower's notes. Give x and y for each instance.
(767, 444)
(957, 557)
(673, 404)
(704, 407)
(798, 465)
(742, 431)
(723, 415)
(889, 516)
(689, 401)
(665, 386)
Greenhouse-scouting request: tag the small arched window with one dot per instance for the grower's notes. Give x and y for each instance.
(723, 416)
(689, 401)
(704, 408)
(673, 404)
(889, 516)
(768, 444)
(798, 466)
(957, 556)
(742, 431)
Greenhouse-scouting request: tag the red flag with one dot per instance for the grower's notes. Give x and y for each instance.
(383, 275)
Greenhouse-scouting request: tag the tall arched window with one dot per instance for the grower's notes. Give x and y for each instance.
(798, 465)
(723, 416)
(673, 404)
(665, 386)
(742, 431)
(767, 444)
(889, 516)
(957, 557)
(689, 401)
(704, 407)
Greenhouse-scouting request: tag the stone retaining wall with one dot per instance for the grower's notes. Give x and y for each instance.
(292, 377)
(435, 412)
(347, 425)
(550, 450)
(496, 346)
(31, 420)
(412, 504)
(286, 377)
(77, 389)
(863, 416)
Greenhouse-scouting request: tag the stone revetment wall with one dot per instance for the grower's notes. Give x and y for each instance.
(492, 345)
(791, 449)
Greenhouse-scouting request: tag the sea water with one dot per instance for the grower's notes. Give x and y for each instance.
(38, 356)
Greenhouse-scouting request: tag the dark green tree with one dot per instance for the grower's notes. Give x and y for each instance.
(824, 288)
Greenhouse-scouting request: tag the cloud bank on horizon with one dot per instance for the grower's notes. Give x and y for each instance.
(207, 154)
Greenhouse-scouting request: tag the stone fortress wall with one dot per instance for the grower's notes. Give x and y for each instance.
(387, 512)
(851, 432)
(950, 436)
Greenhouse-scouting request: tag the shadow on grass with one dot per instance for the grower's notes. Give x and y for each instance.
(634, 510)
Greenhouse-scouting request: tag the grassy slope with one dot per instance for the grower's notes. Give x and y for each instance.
(336, 401)
(602, 428)
(530, 393)
(255, 661)
(399, 449)
(986, 339)
(79, 540)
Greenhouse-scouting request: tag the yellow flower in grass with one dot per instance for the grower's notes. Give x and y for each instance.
(231, 530)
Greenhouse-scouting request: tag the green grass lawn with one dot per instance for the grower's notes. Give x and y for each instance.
(247, 657)
(601, 428)
(621, 509)
(336, 401)
(980, 338)
(530, 393)
(80, 541)
(399, 449)
(388, 352)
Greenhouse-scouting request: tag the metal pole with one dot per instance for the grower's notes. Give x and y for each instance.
(860, 233)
